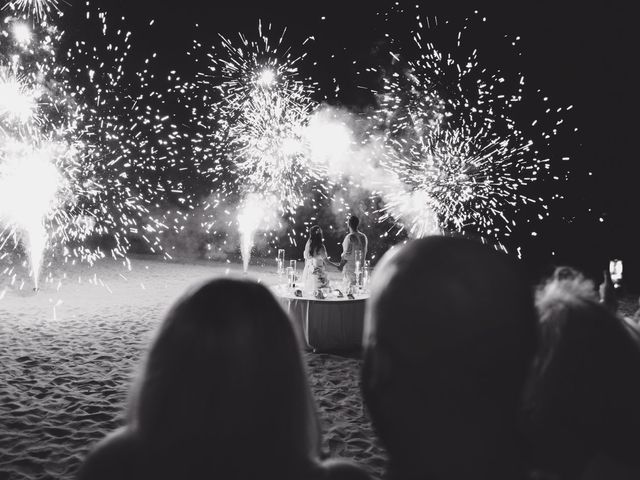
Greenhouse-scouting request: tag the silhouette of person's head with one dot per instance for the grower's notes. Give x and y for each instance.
(226, 366)
(223, 391)
(354, 222)
(449, 336)
(583, 396)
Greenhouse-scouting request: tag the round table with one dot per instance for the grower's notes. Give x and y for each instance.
(329, 324)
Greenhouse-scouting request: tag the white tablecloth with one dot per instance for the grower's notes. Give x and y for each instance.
(329, 324)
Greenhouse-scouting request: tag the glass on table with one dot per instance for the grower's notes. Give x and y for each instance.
(290, 277)
(280, 271)
(280, 260)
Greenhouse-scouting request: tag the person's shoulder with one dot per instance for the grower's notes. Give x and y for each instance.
(112, 457)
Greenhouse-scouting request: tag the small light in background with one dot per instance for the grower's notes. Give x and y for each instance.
(615, 269)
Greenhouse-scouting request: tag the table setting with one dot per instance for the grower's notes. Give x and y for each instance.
(330, 318)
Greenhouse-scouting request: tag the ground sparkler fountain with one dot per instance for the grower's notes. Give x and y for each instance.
(257, 212)
(249, 219)
(30, 184)
(75, 148)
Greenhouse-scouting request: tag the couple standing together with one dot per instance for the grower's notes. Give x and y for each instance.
(354, 249)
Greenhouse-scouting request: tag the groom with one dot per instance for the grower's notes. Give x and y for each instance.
(354, 241)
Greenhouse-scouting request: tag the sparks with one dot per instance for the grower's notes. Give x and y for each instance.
(263, 108)
(457, 158)
(18, 102)
(77, 155)
(31, 185)
(252, 110)
(255, 212)
(38, 8)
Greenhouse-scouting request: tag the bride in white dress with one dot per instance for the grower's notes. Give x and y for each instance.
(315, 276)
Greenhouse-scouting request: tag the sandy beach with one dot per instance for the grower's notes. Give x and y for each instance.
(68, 354)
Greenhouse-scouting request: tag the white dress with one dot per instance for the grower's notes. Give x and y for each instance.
(315, 276)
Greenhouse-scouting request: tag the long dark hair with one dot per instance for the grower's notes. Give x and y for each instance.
(225, 371)
(316, 240)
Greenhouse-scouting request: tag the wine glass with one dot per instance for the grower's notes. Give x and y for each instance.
(280, 261)
(290, 277)
(366, 275)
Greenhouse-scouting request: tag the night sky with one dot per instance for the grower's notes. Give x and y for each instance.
(576, 55)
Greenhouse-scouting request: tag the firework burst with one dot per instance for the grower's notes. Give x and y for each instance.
(454, 144)
(256, 109)
(251, 108)
(456, 179)
(77, 159)
(269, 149)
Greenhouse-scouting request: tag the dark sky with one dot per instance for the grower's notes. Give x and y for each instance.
(577, 55)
